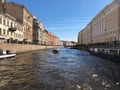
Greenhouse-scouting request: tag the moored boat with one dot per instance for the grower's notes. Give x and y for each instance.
(110, 54)
(7, 54)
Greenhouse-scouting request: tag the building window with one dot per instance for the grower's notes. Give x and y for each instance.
(3, 21)
(0, 20)
(0, 31)
(11, 34)
(3, 31)
(11, 24)
(14, 34)
(7, 32)
(115, 13)
(7, 23)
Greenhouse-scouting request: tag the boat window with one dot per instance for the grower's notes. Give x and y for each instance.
(2, 39)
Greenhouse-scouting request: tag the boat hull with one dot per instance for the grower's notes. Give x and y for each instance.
(6, 56)
(115, 58)
(55, 51)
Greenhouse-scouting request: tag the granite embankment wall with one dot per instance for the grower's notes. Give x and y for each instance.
(19, 48)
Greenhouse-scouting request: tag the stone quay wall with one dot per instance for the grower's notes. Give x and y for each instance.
(20, 48)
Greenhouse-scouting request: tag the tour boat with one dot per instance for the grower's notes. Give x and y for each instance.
(56, 50)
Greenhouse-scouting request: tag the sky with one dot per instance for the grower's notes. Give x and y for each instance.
(64, 18)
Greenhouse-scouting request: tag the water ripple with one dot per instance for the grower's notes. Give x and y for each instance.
(69, 70)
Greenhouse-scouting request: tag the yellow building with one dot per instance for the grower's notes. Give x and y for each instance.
(104, 27)
(85, 36)
(45, 37)
(38, 31)
(80, 38)
(23, 16)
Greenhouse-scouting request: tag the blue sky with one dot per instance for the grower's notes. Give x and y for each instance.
(64, 18)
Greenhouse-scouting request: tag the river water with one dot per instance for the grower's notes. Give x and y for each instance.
(68, 70)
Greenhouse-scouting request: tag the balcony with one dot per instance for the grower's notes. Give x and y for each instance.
(12, 29)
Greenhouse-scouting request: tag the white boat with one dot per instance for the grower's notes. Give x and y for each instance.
(7, 54)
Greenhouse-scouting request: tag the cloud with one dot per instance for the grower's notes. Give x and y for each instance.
(68, 23)
(72, 27)
(67, 28)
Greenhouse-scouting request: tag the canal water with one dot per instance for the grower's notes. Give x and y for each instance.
(68, 70)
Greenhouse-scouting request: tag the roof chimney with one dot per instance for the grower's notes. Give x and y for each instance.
(2, 1)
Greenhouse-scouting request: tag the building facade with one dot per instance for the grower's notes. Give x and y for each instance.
(69, 43)
(80, 37)
(104, 27)
(10, 29)
(18, 25)
(1, 1)
(50, 39)
(38, 31)
(56, 40)
(45, 38)
(22, 15)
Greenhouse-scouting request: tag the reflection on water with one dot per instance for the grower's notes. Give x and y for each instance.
(69, 70)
